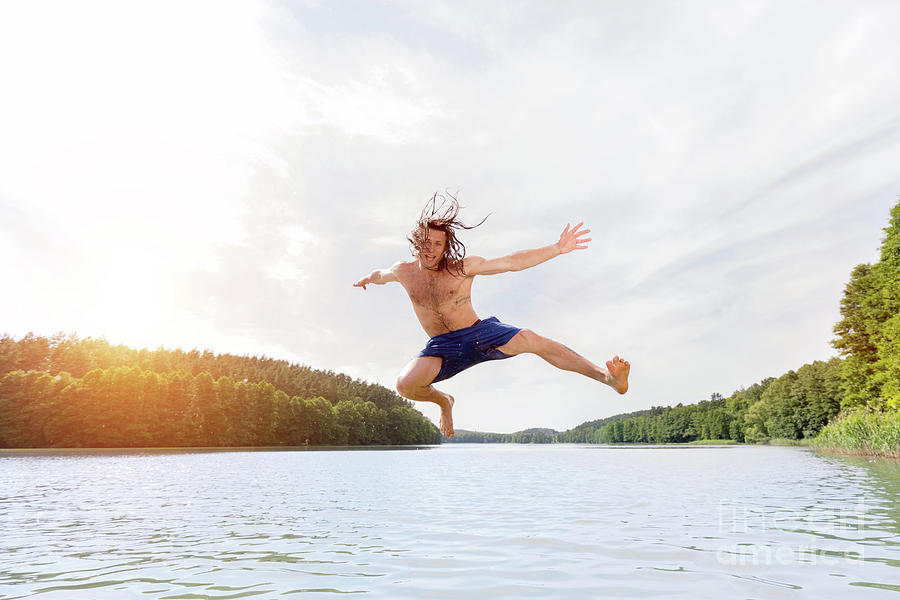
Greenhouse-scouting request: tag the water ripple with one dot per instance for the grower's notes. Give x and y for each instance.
(452, 522)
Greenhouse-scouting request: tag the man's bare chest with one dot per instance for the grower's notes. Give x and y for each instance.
(436, 291)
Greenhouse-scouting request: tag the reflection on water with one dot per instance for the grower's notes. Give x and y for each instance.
(884, 478)
(459, 521)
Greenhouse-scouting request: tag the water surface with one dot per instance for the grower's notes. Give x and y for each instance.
(457, 521)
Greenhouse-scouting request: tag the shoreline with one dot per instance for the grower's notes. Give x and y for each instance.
(858, 452)
(810, 444)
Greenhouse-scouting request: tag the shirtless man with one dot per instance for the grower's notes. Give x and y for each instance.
(439, 282)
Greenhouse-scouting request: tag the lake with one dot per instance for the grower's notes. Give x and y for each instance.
(454, 521)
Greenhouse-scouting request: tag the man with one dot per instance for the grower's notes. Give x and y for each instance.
(439, 283)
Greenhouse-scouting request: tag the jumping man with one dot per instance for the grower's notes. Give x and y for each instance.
(439, 282)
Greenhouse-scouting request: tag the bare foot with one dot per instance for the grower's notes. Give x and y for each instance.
(618, 374)
(447, 416)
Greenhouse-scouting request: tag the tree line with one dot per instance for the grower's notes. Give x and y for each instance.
(794, 406)
(77, 357)
(528, 436)
(67, 392)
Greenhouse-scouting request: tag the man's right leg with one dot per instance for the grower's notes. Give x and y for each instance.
(614, 375)
(415, 383)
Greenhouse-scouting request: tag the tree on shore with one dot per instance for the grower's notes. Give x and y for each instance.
(868, 334)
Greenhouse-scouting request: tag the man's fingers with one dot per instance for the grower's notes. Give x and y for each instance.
(573, 231)
(578, 233)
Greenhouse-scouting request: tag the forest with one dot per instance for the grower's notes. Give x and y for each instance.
(69, 392)
(794, 406)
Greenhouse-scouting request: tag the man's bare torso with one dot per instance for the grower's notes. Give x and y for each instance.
(442, 301)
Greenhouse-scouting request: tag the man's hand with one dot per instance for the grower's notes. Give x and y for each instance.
(571, 239)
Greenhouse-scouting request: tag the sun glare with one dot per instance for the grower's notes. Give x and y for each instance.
(134, 132)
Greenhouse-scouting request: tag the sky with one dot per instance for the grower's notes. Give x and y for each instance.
(216, 176)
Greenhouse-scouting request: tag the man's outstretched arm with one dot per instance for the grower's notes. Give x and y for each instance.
(378, 277)
(571, 239)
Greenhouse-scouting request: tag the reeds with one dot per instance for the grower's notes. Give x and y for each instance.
(861, 432)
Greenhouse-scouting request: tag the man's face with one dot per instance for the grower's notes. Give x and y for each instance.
(433, 249)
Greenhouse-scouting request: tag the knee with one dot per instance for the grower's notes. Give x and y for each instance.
(531, 342)
(406, 387)
(524, 341)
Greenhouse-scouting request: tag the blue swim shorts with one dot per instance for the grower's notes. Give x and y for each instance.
(469, 346)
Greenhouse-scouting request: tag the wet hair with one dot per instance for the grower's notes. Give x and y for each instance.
(441, 213)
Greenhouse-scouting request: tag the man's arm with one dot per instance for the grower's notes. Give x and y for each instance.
(570, 239)
(379, 277)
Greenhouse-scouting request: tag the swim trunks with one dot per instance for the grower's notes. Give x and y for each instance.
(469, 346)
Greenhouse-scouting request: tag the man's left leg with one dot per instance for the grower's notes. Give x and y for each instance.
(614, 375)
(415, 383)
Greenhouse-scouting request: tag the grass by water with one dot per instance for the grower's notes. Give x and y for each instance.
(787, 442)
(862, 433)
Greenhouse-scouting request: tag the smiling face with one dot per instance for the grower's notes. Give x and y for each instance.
(433, 249)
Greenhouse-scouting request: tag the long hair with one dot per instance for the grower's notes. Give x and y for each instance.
(441, 213)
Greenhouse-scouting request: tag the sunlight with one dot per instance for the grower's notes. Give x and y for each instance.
(134, 134)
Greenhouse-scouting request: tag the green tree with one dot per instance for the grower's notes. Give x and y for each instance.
(856, 331)
(210, 414)
(867, 333)
(319, 413)
(33, 353)
(888, 340)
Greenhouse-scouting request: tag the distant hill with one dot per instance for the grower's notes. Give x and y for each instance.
(535, 435)
(583, 432)
(544, 435)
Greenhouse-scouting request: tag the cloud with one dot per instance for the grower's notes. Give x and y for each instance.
(229, 171)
